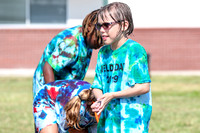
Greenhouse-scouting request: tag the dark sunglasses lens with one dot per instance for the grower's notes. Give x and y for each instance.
(106, 25)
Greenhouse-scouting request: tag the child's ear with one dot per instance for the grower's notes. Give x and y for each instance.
(125, 25)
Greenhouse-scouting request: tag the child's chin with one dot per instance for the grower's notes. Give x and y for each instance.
(106, 42)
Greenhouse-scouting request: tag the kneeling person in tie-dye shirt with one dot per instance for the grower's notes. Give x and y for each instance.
(64, 106)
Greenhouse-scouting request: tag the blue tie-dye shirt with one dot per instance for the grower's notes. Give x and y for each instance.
(67, 54)
(49, 105)
(116, 71)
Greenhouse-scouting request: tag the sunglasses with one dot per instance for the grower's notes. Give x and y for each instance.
(106, 25)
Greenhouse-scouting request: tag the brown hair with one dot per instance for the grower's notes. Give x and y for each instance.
(88, 27)
(119, 12)
(72, 108)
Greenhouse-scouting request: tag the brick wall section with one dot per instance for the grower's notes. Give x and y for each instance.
(22, 48)
(169, 49)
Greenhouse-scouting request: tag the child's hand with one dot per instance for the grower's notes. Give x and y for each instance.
(105, 99)
(95, 106)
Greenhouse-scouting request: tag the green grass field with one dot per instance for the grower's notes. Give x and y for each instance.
(176, 106)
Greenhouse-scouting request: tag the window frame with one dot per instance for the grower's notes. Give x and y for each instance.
(28, 24)
(69, 22)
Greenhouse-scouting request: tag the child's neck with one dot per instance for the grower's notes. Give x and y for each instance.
(117, 44)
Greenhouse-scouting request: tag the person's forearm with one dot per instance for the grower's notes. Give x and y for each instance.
(137, 90)
(97, 93)
(48, 73)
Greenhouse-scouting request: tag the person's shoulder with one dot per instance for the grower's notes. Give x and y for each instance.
(71, 30)
(69, 33)
(104, 48)
(134, 45)
(75, 28)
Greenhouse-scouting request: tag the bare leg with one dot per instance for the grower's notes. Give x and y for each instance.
(53, 128)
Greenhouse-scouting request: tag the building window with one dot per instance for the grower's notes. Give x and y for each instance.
(47, 11)
(39, 11)
(12, 11)
(30, 12)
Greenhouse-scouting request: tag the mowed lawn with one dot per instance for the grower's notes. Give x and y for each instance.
(176, 104)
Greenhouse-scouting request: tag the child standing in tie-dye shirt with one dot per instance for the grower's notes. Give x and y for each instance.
(122, 81)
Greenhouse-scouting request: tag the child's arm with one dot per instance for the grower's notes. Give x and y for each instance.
(136, 90)
(48, 73)
(97, 93)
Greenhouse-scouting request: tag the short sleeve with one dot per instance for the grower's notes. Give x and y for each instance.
(138, 66)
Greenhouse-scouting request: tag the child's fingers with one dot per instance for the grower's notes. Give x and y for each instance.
(98, 103)
(95, 106)
(101, 107)
(95, 110)
(99, 112)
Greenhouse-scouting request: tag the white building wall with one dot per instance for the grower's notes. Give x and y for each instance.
(78, 9)
(164, 13)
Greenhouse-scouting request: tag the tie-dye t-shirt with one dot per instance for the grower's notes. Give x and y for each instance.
(116, 71)
(67, 54)
(49, 103)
